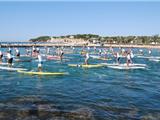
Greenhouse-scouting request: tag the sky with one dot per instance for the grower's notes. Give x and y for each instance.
(21, 21)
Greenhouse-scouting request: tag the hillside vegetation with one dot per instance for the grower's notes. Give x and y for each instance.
(91, 38)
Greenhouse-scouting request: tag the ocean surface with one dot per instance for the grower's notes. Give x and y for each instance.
(84, 94)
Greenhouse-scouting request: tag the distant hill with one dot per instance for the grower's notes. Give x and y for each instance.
(91, 38)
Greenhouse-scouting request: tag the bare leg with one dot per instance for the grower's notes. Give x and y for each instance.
(128, 63)
(86, 61)
(39, 69)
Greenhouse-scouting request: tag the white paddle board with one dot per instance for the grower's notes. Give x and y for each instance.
(149, 57)
(94, 56)
(116, 64)
(5, 63)
(11, 69)
(155, 60)
(126, 67)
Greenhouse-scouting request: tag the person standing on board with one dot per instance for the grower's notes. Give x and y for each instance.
(149, 51)
(39, 61)
(100, 52)
(47, 50)
(123, 52)
(83, 52)
(61, 54)
(34, 51)
(105, 54)
(118, 57)
(27, 51)
(128, 58)
(94, 49)
(1, 56)
(9, 49)
(17, 52)
(88, 48)
(86, 58)
(37, 49)
(131, 54)
(141, 51)
(9, 58)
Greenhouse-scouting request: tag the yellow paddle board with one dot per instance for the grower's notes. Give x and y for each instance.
(42, 73)
(86, 66)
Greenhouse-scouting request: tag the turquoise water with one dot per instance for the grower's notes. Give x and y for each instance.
(84, 94)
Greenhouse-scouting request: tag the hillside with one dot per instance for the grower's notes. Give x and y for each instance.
(96, 39)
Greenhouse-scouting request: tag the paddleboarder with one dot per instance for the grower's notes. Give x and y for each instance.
(61, 54)
(34, 52)
(149, 51)
(39, 61)
(141, 51)
(27, 51)
(118, 57)
(9, 58)
(1, 56)
(17, 52)
(86, 58)
(128, 58)
(10, 50)
(100, 52)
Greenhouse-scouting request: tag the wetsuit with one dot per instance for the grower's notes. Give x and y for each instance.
(118, 57)
(10, 58)
(1, 55)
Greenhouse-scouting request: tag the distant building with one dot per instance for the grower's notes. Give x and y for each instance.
(131, 42)
(94, 40)
(71, 37)
(153, 43)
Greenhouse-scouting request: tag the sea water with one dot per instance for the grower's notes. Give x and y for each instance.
(84, 94)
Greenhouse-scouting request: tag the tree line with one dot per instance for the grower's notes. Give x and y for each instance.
(92, 38)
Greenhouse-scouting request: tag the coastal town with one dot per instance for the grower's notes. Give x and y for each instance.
(90, 40)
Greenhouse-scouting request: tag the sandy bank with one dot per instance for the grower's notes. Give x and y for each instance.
(76, 45)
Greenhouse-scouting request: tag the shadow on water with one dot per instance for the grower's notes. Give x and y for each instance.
(31, 107)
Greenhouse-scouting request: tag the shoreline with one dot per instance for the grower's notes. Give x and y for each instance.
(76, 45)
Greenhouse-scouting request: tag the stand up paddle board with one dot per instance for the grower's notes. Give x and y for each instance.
(116, 64)
(155, 60)
(86, 66)
(95, 56)
(5, 63)
(149, 57)
(50, 57)
(42, 61)
(25, 56)
(42, 73)
(127, 67)
(11, 69)
(19, 60)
